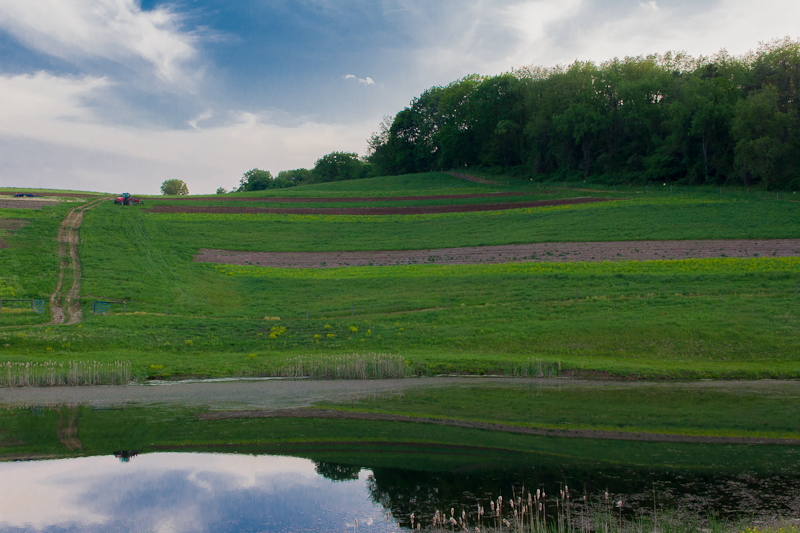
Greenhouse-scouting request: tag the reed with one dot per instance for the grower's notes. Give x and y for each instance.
(527, 512)
(348, 366)
(51, 373)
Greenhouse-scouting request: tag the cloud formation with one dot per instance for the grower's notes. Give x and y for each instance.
(79, 31)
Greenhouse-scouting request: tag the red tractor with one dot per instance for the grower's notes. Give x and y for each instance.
(127, 199)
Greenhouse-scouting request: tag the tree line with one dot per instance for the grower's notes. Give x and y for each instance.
(335, 166)
(670, 118)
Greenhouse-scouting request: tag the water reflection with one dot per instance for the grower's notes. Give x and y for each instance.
(185, 492)
(322, 474)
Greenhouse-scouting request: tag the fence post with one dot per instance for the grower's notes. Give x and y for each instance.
(123, 308)
(1, 305)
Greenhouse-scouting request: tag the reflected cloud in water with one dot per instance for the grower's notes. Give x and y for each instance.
(183, 492)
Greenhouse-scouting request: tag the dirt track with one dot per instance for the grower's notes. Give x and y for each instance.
(513, 253)
(63, 307)
(411, 210)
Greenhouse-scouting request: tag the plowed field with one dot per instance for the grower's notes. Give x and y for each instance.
(411, 210)
(514, 253)
(305, 200)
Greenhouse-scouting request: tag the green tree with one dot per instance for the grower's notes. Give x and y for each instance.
(174, 187)
(222, 190)
(338, 166)
(255, 180)
(295, 177)
(759, 128)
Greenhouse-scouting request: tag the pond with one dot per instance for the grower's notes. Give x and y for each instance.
(165, 469)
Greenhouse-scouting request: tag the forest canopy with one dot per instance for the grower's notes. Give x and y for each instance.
(670, 118)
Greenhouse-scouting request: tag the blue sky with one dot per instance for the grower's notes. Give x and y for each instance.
(120, 95)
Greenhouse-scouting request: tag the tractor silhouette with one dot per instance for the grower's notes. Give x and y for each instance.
(127, 199)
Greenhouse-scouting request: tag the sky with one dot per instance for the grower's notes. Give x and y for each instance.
(121, 95)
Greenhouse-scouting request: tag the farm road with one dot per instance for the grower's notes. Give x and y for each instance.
(548, 252)
(62, 306)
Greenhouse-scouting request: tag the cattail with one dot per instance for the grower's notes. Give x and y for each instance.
(506, 523)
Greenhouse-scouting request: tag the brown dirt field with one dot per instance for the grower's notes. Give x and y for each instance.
(26, 203)
(513, 253)
(54, 194)
(297, 200)
(545, 432)
(412, 210)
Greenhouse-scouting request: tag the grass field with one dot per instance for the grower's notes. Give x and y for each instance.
(724, 318)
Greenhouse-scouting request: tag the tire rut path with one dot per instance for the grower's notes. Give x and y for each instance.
(65, 308)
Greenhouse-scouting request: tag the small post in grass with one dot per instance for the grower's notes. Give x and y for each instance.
(123, 308)
(352, 309)
(306, 313)
(665, 290)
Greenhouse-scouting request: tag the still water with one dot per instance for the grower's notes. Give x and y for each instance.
(236, 492)
(184, 492)
(158, 469)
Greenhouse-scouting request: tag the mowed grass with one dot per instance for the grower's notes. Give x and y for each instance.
(700, 318)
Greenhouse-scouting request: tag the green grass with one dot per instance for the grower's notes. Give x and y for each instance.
(666, 319)
(383, 444)
(736, 410)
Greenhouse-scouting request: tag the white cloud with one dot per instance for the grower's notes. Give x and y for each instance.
(116, 30)
(205, 115)
(703, 28)
(365, 81)
(58, 142)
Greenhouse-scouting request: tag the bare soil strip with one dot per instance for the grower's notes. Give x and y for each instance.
(549, 252)
(63, 307)
(26, 203)
(411, 210)
(298, 200)
(489, 426)
(52, 194)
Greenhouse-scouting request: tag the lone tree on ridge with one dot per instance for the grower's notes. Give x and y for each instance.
(174, 187)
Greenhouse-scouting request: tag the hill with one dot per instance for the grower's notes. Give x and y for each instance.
(661, 282)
